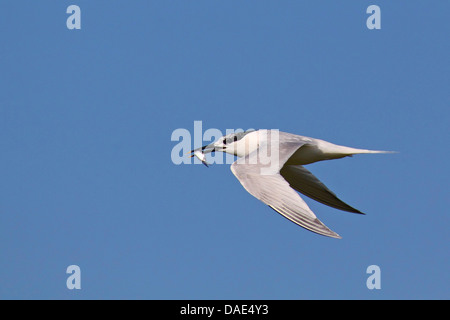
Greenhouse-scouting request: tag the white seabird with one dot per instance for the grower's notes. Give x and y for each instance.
(270, 167)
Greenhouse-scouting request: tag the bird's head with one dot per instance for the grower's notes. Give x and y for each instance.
(233, 143)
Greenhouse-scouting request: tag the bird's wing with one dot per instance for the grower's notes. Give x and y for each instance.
(306, 183)
(275, 191)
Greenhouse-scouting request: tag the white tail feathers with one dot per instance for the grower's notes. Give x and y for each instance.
(363, 151)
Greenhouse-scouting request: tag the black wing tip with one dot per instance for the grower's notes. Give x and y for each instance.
(356, 211)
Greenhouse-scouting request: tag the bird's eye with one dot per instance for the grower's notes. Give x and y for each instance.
(235, 139)
(224, 141)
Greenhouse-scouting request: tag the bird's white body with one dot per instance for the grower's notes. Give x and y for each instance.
(316, 150)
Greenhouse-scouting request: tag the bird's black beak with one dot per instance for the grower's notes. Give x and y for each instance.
(205, 149)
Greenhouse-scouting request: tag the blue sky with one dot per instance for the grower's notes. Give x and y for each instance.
(86, 177)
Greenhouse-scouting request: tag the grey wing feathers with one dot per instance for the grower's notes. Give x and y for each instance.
(306, 183)
(274, 191)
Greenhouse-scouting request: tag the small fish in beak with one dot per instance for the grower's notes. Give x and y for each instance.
(201, 152)
(200, 155)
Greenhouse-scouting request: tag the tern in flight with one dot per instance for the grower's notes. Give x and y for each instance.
(270, 167)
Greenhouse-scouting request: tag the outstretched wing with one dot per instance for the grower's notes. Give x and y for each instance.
(275, 191)
(306, 183)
